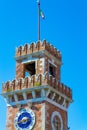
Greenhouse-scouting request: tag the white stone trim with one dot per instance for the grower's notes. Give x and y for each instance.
(43, 116)
(56, 113)
(48, 92)
(33, 94)
(59, 93)
(52, 57)
(7, 99)
(38, 100)
(45, 90)
(42, 92)
(59, 98)
(51, 62)
(29, 104)
(64, 103)
(30, 59)
(53, 96)
(35, 64)
(56, 104)
(42, 60)
(24, 96)
(15, 97)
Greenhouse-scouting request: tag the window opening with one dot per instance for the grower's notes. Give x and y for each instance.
(27, 74)
(30, 69)
(52, 70)
(56, 122)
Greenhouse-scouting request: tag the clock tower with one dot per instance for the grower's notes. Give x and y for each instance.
(36, 98)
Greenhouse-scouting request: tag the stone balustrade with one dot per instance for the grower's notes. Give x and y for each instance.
(36, 80)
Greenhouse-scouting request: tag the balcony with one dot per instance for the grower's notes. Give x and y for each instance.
(36, 81)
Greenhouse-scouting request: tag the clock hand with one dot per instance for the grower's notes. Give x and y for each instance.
(23, 120)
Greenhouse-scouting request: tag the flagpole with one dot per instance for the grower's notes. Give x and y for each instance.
(39, 20)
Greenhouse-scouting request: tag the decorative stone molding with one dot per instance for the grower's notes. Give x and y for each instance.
(34, 81)
(40, 93)
(56, 113)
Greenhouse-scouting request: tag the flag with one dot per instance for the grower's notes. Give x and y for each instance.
(38, 1)
(42, 14)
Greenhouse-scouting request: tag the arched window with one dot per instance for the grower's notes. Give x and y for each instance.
(56, 121)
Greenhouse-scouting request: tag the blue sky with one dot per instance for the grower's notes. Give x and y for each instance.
(65, 26)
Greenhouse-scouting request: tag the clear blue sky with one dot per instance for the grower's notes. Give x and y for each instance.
(65, 26)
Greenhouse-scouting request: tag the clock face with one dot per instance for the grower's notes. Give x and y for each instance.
(24, 120)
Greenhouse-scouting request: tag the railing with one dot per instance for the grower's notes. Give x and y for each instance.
(36, 80)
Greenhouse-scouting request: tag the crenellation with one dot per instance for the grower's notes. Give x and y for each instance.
(26, 82)
(9, 87)
(4, 88)
(31, 81)
(39, 46)
(36, 80)
(20, 50)
(70, 93)
(63, 88)
(32, 48)
(55, 53)
(23, 51)
(26, 48)
(60, 87)
(15, 84)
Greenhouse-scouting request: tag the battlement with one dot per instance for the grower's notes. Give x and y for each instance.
(37, 47)
(34, 81)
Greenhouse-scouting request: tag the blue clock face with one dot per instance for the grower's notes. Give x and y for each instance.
(25, 119)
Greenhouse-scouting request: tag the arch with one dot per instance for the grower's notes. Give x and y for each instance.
(55, 113)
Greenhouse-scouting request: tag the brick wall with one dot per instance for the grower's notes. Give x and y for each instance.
(58, 67)
(43, 112)
(51, 108)
(19, 70)
(12, 111)
(42, 66)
